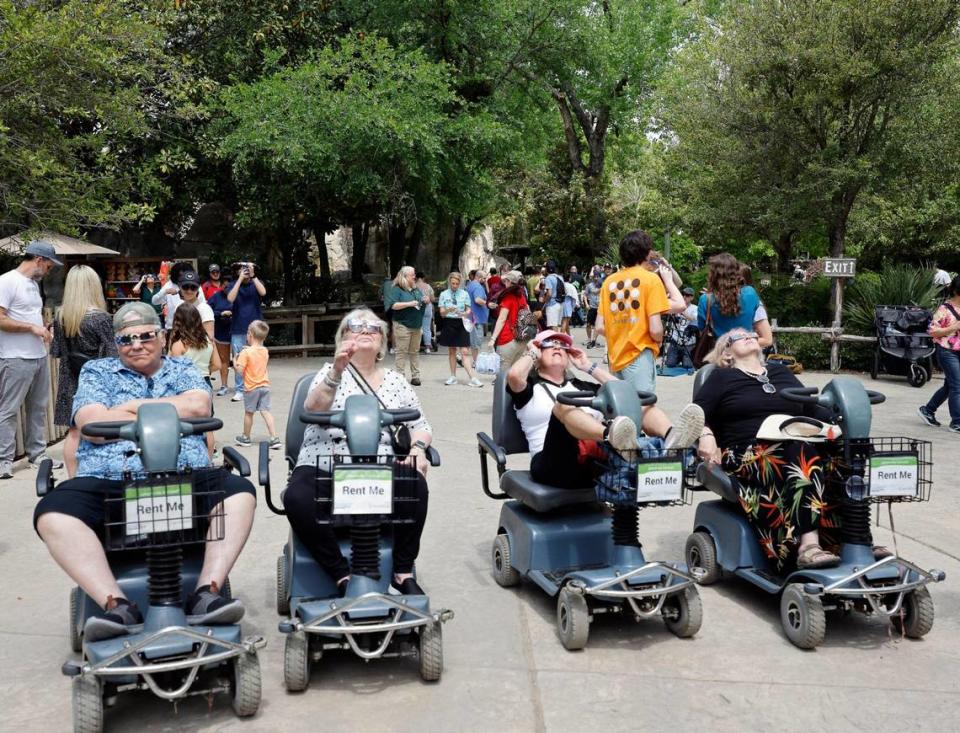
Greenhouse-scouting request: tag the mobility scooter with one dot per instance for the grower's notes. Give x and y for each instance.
(874, 470)
(154, 536)
(574, 547)
(369, 620)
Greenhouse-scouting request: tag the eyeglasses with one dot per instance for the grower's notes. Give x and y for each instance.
(140, 338)
(741, 336)
(364, 327)
(551, 344)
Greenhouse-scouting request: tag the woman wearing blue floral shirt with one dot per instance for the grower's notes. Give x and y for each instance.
(454, 305)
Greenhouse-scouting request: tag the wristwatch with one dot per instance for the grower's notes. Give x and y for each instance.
(421, 445)
(592, 368)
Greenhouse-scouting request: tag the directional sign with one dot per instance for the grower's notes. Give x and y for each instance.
(839, 267)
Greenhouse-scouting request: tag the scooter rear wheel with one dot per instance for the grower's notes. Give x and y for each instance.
(683, 612)
(701, 553)
(503, 572)
(802, 616)
(296, 662)
(431, 652)
(76, 641)
(918, 613)
(573, 619)
(87, 696)
(246, 685)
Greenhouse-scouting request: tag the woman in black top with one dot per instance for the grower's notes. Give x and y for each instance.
(782, 485)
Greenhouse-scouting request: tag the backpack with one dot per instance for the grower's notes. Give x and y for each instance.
(559, 293)
(526, 326)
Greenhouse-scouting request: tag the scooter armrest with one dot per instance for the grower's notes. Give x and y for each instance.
(433, 456)
(263, 477)
(45, 477)
(715, 479)
(488, 446)
(233, 460)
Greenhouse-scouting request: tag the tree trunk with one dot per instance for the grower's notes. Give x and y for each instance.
(361, 235)
(783, 246)
(413, 244)
(397, 240)
(320, 227)
(461, 235)
(596, 214)
(288, 247)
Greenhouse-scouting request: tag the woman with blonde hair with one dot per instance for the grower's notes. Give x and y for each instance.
(454, 305)
(731, 303)
(404, 301)
(83, 330)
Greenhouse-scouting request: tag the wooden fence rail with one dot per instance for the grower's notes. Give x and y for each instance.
(832, 335)
(308, 316)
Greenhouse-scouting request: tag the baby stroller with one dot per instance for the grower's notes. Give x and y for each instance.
(904, 347)
(679, 337)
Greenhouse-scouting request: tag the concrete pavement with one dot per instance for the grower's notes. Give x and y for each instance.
(504, 666)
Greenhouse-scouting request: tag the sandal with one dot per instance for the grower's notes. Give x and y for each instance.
(880, 552)
(814, 556)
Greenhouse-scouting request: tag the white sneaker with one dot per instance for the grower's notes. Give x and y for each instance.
(475, 382)
(237, 396)
(687, 429)
(622, 433)
(222, 391)
(37, 460)
(451, 380)
(6, 469)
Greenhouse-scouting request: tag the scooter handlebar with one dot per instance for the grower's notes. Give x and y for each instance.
(581, 398)
(876, 397)
(324, 418)
(807, 395)
(198, 425)
(400, 414)
(105, 429)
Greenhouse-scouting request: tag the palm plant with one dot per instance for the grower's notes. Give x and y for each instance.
(893, 285)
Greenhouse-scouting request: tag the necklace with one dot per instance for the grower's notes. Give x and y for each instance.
(762, 378)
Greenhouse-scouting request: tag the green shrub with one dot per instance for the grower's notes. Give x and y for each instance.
(797, 304)
(814, 353)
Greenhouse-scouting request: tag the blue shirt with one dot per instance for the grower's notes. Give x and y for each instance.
(109, 383)
(719, 323)
(481, 314)
(246, 308)
(221, 324)
(458, 299)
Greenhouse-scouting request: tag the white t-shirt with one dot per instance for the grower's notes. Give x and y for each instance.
(534, 408)
(205, 311)
(20, 297)
(941, 278)
(172, 300)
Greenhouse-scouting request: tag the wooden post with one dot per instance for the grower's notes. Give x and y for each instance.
(837, 325)
(305, 332)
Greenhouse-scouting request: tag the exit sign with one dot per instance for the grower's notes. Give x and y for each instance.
(839, 267)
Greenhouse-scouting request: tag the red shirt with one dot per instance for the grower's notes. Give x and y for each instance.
(511, 303)
(210, 287)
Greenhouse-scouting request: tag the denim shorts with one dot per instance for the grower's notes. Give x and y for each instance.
(641, 372)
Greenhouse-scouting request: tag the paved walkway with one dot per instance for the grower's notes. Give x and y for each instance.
(505, 669)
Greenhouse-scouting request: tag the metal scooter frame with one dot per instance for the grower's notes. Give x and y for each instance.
(660, 592)
(146, 670)
(348, 630)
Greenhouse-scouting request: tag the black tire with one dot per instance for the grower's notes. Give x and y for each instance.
(918, 613)
(701, 553)
(296, 662)
(802, 616)
(246, 685)
(875, 368)
(917, 375)
(503, 572)
(76, 639)
(683, 612)
(87, 696)
(431, 652)
(283, 586)
(573, 620)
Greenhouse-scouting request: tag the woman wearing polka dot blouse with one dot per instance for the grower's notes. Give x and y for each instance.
(360, 348)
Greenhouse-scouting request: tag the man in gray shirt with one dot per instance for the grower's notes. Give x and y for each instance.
(24, 371)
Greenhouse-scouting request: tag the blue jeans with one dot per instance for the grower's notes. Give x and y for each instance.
(427, 337)
(950, 391)
(237, 342)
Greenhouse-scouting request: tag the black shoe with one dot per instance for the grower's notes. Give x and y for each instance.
(122, 617)
(415, 382)
(206, 606)
(409, 587)
(928, 417)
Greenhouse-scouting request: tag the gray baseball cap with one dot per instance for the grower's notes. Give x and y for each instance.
(43, 248)
(135, 314)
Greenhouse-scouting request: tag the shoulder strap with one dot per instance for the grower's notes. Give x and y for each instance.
(364, 384)
(952, 310)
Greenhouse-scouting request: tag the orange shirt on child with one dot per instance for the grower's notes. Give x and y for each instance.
(252, 363)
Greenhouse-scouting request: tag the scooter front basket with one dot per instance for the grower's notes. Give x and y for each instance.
(365, 490)
(165, 509)
(664, 479)
(888, 469)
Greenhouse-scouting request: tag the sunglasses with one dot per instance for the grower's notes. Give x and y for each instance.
(742, 336)
(189, 287)
(363, 327)
(140, 338)
(551, 344)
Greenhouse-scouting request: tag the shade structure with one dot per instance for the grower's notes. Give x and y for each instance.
(63, 245)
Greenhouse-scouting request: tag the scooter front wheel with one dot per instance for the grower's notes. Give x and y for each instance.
(918, 613)
(246, 685)
(87, 704)
(431, 652)
(683, 612)
(296, 662)
(573, 619)
(802, 616)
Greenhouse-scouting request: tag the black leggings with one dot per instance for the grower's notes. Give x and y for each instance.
(300, 500)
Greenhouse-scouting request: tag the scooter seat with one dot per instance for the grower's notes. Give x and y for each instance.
(714, 478)
(540, 497)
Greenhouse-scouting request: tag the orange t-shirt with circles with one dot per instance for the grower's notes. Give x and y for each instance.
(627, 300)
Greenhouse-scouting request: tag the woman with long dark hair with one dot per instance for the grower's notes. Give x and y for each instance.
(945, 329)
(189, 339)
(731, 303)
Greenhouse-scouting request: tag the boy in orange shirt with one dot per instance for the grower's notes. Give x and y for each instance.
(251, 362)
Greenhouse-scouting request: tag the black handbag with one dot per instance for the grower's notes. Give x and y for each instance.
(76, 359)
(705, 343)
(400, 438)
